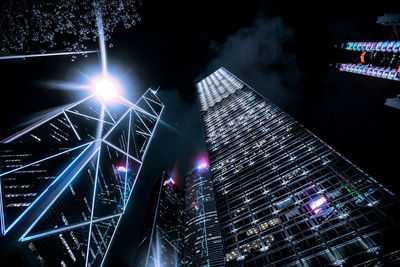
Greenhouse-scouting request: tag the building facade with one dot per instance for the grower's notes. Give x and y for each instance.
(66, 180)
(162, 234)
(202, 243)
(283, 196)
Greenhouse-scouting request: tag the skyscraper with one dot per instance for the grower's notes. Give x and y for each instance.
(203, 245)
(66, 180)
(283, 196)
(162, 234)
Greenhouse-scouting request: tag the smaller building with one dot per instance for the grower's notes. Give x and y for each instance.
(393, 102)
(162, 234)
(202, 245)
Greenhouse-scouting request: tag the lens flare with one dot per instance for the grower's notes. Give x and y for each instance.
(106, 89)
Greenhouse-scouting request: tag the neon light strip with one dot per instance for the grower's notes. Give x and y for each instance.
(52, 156)
(125, 102)
(144, 154)
(154, 93)
(80, 101)
(123, 152)
(145, 99)
(379, 72)
(141, 97)
(141, 132)
(49, 54)
(142, 121)
(66, 228)
(109, 113)
(115, 125)
(153, 101)
(126, 164)
(61, 191)
(37, 199)
(39, 123)
(146, 93)
(105, 107)
(2, 210)
(72, 126)
(89, 117)
(139, 109)
(384, 47)
(30, 128)
(109, 244)
(93, 200)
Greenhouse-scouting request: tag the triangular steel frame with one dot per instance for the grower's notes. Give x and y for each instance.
(93, 149)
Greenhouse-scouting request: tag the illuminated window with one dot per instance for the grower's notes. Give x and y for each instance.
(251, 231)
(232, 255)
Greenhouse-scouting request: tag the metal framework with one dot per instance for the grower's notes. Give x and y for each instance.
(66, 180)
(283, 196)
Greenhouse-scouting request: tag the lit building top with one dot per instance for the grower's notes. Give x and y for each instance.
(217, 86)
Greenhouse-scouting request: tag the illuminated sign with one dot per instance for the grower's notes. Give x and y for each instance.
(379, 72)
(386, 46)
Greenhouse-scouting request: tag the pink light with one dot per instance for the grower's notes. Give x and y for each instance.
(202, 165)
(121, 168)
(315, 205)
(169, 181)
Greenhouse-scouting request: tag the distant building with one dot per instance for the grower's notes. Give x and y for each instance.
(283, 196)
(203, 245)
(66, 180)
(379, 59)
(393, 102)
(161, 242)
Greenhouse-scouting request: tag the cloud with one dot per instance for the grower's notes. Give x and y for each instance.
(257, 55)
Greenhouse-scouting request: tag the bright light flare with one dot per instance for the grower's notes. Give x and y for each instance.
(106, 87)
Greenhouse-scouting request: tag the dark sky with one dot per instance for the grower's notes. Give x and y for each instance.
(281, 49)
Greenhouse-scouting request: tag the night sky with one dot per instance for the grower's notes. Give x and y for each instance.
(284, 53)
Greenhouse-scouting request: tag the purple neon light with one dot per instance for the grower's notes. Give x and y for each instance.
(383, 46)
(379, 72)
(202, 165)
(396, 47)
(121, 168)
(316, 204)
(389, 48)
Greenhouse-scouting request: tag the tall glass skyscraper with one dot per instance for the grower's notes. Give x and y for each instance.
(283, 196)
(66, 180)
(162, 234)
(202, 245)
